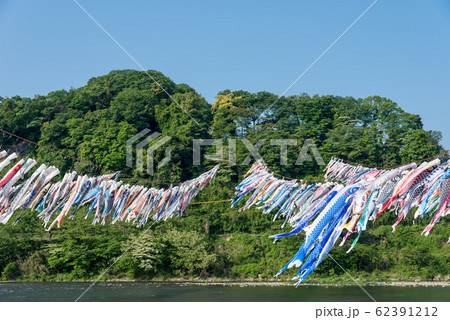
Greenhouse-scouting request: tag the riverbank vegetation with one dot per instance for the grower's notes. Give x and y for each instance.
(210, 241)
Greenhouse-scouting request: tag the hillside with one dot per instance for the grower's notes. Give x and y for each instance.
(94, 122)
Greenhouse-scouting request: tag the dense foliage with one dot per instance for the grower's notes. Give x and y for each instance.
(94, 122)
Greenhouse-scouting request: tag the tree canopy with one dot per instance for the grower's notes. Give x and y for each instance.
(94, 122)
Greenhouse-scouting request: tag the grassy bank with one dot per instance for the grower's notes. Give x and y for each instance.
(265, 283)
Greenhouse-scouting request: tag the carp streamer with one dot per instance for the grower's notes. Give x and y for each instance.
(348, 198)
(108, 199)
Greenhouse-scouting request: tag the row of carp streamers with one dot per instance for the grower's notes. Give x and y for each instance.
(348, 199)
(107, 197)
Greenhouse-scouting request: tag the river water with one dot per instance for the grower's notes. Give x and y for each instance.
(160, 292)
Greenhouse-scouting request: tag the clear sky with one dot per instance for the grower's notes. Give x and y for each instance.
(400, 49)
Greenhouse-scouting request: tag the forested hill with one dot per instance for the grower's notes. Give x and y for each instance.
(93, 123)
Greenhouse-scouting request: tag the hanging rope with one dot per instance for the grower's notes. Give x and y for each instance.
(360, 164)
(169, 183)
(86, 162)
(354, 163)
(439, 155)
(205, 202)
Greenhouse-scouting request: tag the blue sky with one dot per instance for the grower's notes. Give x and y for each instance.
(399, 49)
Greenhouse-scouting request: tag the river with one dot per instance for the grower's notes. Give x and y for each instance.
(160, 292)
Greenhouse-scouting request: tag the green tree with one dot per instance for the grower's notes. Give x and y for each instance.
(11, 271)
(148, 250)
(188, 251)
